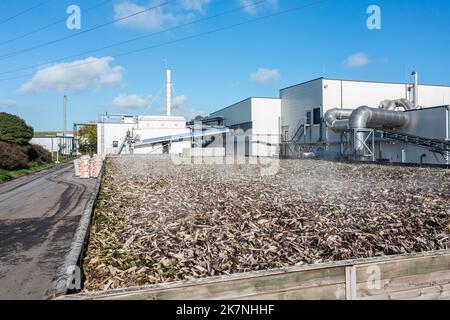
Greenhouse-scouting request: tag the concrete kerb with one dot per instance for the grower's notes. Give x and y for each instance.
(73, 258)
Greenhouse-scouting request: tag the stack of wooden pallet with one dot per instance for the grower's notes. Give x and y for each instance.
(88, 167)
(76, 164)
(96, 166)
(84, 164)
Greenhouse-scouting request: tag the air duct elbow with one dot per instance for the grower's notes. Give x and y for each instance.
(365, 117)
(360, 118)
(388, 105)
(392, 105)
(405, 104)
(337, 119)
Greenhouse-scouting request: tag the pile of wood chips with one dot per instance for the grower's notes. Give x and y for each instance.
(158, 222)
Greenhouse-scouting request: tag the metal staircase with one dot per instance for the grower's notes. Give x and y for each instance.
(300, 131)
(124, 142)
(130, 140)
(294, 146)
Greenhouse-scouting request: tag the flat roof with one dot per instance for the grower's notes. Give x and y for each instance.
(364, 81)
(250, 98)
(161, 118)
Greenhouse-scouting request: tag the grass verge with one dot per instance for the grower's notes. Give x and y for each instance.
(6, 175)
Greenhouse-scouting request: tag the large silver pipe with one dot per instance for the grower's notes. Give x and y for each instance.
(340, 125)
(392, 105)
(388, 105)
(337, 119)
(365, 117)
(406, 104)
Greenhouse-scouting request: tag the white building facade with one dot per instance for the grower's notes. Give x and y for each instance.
(55, 143)
(301, 109)
(258, 121)
(304, 106)
(114, 130)
(308, 102)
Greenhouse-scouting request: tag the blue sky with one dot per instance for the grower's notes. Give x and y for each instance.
(329, 39)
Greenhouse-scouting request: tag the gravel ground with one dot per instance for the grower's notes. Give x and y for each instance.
(158, 222)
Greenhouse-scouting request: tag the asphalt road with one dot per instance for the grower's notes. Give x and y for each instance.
(39, 215)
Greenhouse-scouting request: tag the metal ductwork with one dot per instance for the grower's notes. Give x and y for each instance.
(392, 105)
(365, 117)
(371, 118)
(361, 120)
(337, 119)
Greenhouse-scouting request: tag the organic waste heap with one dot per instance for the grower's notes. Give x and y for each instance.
(158, 222)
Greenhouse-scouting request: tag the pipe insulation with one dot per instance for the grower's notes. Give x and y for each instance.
(365, 117)
(337, 119)
(392, 105)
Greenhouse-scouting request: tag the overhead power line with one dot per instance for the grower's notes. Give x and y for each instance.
(136, 38)
(23, 12)
(232, 26)
(45, 44)
(51, 24)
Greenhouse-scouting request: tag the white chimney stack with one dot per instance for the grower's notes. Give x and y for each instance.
(168, 92)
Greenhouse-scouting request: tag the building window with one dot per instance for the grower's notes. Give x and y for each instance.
(317, 116)
(309, 118)
(115, 144)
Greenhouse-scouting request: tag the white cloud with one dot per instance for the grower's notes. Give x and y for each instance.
(132, 101)
(179, 101)
(196, 5)
(253, 9)
(357, 60)
(265, 76)
(75, 76)
(159, 17)
(7, 103)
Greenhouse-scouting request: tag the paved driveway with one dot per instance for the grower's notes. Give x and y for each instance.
(38, 218)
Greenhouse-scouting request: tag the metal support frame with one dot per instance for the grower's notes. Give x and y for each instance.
(350, 139)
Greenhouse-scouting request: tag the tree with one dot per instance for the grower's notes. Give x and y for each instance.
(39, 154)
(11, 157)
(199, 118)
(88, 139)
(14, 130)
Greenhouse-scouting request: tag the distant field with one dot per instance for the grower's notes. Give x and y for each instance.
(48, 133)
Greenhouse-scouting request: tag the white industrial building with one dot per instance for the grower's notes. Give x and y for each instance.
(124, 134)
(308, 102)
(258, 119)
(298, 117)
(115, 132)
(328, 118)
(60, 142)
